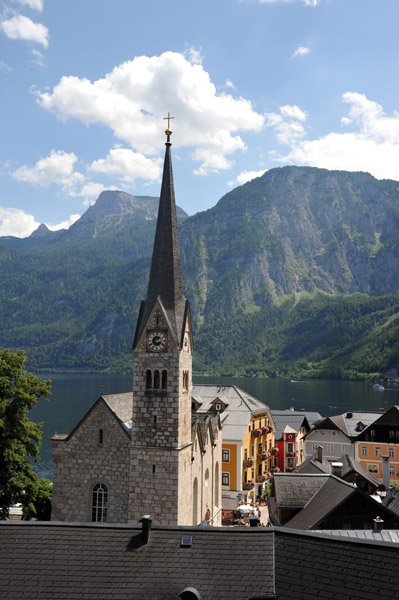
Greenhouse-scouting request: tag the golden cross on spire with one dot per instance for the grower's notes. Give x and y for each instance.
(168, 131)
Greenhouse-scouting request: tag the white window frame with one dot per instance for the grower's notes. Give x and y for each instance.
(225, 478)
(99, 503)
(364, 450)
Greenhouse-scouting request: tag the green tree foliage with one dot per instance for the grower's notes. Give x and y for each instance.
(20, 438)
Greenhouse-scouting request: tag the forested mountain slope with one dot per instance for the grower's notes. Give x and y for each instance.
(294, 273)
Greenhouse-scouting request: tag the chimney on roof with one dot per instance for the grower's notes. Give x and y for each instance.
(319, 454)
(349, 415)
(385, 471)
(378, 524)
(337, 469)
(146, 523)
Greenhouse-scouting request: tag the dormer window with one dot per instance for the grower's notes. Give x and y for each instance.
(218, 406)
(360, 426)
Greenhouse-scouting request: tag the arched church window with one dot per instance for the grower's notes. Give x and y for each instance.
(164, 380)
(156, 380)
(185, 380)
(99, 503)
(100, 436)
(148, 380)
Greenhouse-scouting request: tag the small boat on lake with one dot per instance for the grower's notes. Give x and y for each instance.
(377, 387)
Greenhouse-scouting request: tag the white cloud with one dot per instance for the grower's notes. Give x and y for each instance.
(194, 56)
(4, 67)
(246, 176)
(128, 165)
(38, 58)
(288, 124)
(292, 112)
(131, 101)
(16, 222)
(301, 51)
(23, 28)
(33, 4)
(229, 84)
(306, 2)
(93, 190)
(372, 145)
(64, 224)
(57, 168)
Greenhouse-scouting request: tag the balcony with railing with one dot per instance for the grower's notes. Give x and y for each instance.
(248, 462)
(256, 432)
(248, 485)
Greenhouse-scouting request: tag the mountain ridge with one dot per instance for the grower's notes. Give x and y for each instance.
(293, 246)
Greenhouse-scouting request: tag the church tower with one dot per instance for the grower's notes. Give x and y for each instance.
(160, 477)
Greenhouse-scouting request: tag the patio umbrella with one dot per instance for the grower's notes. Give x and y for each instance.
(245, 508)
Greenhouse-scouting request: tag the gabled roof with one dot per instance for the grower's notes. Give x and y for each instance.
(391, 501)
(241, 406)
(61, 561)
(120, 406)
(295, 491)
(389, 418)
(329, 496)
(312, 465)
(348, 421)
(349, 464)
(294, 418)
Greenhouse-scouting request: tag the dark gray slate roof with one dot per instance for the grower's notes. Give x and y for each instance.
(295, 491)
(329, 496)
(312, 465)
(348, 422)
(54, 561)
(121, 405)
(51, 562)
(165, 281)
(293, 418)
(349, 465)
(313, 566)
(391, 501)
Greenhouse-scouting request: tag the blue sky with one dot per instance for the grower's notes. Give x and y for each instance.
(252, 84)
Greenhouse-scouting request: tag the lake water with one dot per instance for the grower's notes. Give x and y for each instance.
(73, 394)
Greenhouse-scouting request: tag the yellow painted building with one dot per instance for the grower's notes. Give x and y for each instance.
(248, 440)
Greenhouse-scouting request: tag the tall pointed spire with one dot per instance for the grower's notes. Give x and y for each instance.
(165, 282)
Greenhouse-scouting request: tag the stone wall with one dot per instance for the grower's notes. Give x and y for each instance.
(81, 461)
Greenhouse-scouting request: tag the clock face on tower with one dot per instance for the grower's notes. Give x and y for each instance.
(156, 341)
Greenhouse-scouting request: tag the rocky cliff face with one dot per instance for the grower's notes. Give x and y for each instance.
(297, 229)
(252, 267)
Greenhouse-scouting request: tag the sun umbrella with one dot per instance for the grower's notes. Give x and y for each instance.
(245, 508)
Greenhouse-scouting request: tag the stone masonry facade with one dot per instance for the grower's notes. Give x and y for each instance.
(81, 461)
(161, 433)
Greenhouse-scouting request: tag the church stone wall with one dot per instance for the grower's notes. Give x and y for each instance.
(160, 481)
(81, 461)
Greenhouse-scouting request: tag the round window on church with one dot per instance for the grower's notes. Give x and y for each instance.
(207, 478)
